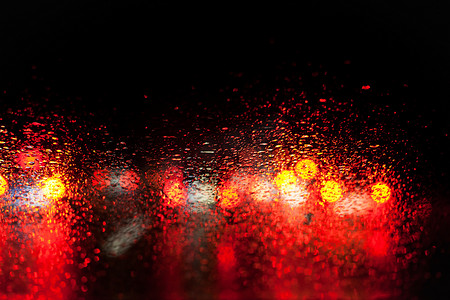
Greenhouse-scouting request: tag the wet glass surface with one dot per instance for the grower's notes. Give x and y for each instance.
(287, 174)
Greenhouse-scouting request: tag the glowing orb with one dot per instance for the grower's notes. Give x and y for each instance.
(381, 192)
(286, 181)
(53, 188)
(331, 191)
(306, 169)
(3, 185)
(229, 197)
(175, 193)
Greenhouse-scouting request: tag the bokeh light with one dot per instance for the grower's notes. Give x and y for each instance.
(53, 188)
(306, 169)
(331, 191)
(228, 196)
(380, 192)
(286, 181)
(175, 193)
(3, 185)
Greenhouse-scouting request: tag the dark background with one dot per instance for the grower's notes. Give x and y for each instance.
(102, 57)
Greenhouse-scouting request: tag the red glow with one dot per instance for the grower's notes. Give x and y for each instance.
(129, 180)
(365, 87)
(101, 179)
(30, 159)
(378, 244)
(226, 257)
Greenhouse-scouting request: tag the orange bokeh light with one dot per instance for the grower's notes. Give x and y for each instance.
(306, 169)
(53, 188)
(381, 192)
(3, 185)
(175, 192)
(286, 181)
(229, 197)
(331, 191)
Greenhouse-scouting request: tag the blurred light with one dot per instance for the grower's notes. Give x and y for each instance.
(262, 190)
(331, 191)
(378, 243)
(175, 192)
(226, 257)
(381, 192)
(286, 181)
(3, 185)
(53, 188)
(355, 204)
(306, 169)
(129, 180)
(228, 196)
(30, 159)
(125, 237)
(100, 179)
(201, 194)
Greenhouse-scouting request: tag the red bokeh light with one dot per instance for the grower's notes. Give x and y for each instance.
(30, 159)
(174, 191)
(129, 180)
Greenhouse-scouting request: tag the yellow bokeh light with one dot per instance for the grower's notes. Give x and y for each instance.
(3, 185)
(286, 181)
(381, 192)
(306, 169)
(331, 191)
(53, 188)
